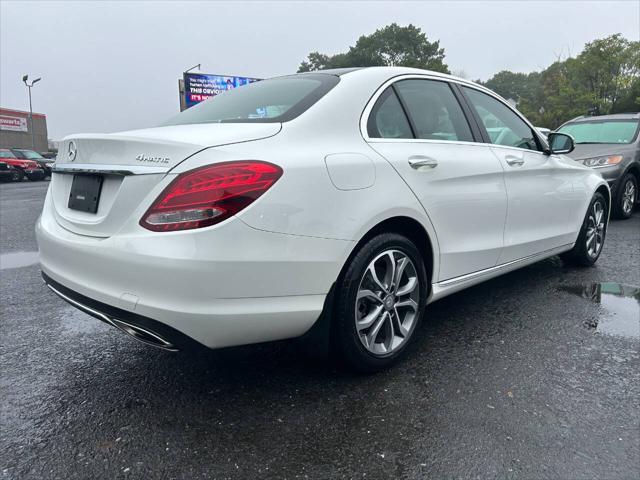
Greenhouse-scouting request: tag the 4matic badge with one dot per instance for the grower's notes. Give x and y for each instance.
(153, 159)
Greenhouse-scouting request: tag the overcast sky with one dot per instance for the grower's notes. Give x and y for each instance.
(110, 66)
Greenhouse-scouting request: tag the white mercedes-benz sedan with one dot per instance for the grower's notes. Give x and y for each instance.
(333, 205)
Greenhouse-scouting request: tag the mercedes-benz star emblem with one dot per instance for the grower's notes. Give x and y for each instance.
(72, 150)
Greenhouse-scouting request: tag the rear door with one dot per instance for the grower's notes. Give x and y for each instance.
(539, 186)
(420, 127)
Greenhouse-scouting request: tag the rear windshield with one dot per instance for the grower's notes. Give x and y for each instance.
(605, 131)
(267, 101)
(6, 154)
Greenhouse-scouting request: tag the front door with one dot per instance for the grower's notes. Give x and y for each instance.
(539, 189)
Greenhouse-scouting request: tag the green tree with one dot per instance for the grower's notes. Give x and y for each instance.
(524, 88)
(392, 45)
(563, 96)
(320, 61)
(604, 78)
(513, 85)
(630, 100)
(607, 68)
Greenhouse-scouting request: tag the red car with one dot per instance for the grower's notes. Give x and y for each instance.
(26, 168)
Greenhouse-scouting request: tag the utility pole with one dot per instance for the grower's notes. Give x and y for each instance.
(33, 133)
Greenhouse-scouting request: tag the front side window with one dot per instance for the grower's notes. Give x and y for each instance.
(503, 126)
(604, 131)
(434, 110)
(267, 101)
(387, 118)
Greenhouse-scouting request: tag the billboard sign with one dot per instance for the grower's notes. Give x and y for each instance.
(201, 86)
(14, 124)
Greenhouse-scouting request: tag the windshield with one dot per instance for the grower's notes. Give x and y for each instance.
(267, 101)
(6, 153)
(605, 131)
(31, 155)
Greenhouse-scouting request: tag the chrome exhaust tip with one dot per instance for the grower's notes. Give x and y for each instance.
(143, 335)
(139, 333)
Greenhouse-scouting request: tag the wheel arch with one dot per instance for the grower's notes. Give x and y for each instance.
(606, 192)
(634, 169)
(410, 228)
(319, 338)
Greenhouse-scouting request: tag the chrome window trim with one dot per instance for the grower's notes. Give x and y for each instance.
(364, 118)
(426, 140)
(518, 149)
(498, 98)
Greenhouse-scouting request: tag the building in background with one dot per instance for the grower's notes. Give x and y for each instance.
(53, 145)
(15, 130)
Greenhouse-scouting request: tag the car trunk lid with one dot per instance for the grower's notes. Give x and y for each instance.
(131, 164)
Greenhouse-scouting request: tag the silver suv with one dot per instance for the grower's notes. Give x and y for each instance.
(611, 144)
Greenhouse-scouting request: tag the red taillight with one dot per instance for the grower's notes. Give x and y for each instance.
(208, 195)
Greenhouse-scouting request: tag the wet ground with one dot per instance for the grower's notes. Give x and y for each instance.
(535, 374)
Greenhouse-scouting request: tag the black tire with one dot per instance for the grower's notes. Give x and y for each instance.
(345, 334)
(581, 255)
(621, 208)
(34, 177)
(20, 175)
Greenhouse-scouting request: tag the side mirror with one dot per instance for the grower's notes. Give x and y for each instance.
(560, 143)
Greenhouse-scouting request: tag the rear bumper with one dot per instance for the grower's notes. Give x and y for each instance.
(142, 328)
(221, 286)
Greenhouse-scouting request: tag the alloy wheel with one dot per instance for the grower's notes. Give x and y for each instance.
(595, 229)
(628, 197)
(387, 302)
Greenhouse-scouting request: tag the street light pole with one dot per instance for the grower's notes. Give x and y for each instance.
(33, 133)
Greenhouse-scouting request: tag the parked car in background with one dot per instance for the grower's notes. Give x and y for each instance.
(8, 173)
(44, 163)
(610, 144)
(341, 201)
(26, 168)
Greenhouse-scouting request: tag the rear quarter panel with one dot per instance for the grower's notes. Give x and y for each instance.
(305, 201)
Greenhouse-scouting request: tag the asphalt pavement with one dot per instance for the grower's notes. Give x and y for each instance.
(535, 374)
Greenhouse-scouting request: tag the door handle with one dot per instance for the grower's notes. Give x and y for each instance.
(420, 162)
(513, 161)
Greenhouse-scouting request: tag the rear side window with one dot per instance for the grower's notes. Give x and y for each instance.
(387, 118)
(267, 101)
(434, 110)
(503, 126)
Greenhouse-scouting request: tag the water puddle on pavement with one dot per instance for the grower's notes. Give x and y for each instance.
(620, 312)
(18, 260)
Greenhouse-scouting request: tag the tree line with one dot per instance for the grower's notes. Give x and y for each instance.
(604, 78)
